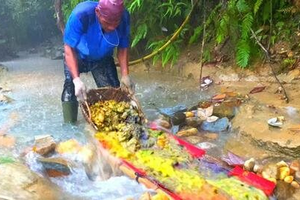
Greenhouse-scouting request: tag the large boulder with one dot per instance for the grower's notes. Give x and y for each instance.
(19, 182)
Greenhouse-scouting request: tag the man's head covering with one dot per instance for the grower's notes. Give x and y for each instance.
(111, 10)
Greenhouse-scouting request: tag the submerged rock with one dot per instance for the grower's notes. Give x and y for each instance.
(55, 167)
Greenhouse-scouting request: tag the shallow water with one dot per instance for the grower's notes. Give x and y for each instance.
(36, 85)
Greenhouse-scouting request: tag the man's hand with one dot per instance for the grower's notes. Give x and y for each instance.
(127, 83)
(80, 89)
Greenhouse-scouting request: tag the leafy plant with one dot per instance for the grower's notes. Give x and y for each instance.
(5, 159)
(152, 25)
(157, 25)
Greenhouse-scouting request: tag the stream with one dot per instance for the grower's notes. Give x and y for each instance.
(36, 85)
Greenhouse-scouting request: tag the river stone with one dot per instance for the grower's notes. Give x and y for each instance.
(224, 110)
(251, 123)
(187, 132)
(211, 136)
(5, 99)
(7, 141)
(295, 165)
(193, 122)
(55, 167)
(297, 176)
(174, 114)
(217, 126)
(44, 144)
(19, 182)
(194, 139)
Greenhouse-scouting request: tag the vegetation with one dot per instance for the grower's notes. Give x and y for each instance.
(25, 22)
(242, 23)
(245, 27)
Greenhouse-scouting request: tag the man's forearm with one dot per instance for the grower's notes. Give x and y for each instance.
(122, 55)
(71, 61)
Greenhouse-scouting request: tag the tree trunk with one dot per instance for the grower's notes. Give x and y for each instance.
(59, 15)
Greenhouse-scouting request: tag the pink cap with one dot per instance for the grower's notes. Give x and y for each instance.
(111, 10)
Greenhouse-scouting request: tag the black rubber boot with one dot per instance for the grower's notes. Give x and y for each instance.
(70, 111)
(69, 102)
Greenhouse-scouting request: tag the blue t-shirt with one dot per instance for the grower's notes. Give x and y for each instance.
(83, 32)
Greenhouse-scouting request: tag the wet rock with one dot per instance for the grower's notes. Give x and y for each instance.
(291, 76)
(194, 139)
(187, 132)
(229, 77)
(57, 53)
(270, 171)
(55, 167)
(178, 118)
(5, 99)
(171, 111)
(295, 166)
(252, 78)
(251, 122)
(175, 114)
(284, 190)
(211, 136)
(44, 144)
(297, 176)
(217, 126)
(206, 145)
(249, 164)
(193, 122)
(7, 141)
(18, 182)
(224, 110)
(163, 123)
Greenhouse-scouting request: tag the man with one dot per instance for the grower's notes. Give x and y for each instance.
(92, 32)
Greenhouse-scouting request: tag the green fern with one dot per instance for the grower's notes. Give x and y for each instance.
(140, 34)
(243, 53)
(198, 30)
(257, 6)
(222, 29)
(242, 6)
(4, 160)
(246, 25)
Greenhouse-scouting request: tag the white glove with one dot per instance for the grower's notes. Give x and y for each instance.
(80, 89)
(127, 83)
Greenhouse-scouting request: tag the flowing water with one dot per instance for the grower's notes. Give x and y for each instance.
(36, 85)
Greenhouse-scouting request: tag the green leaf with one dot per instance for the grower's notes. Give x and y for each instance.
(243, 53)
(4, 160)
(222, 29)
(246, 25)
(155, 59)
(196, 35)
(242, 6)
(140, 34)
(257, 6)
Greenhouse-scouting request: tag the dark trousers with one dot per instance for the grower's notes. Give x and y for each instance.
(103, 71)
